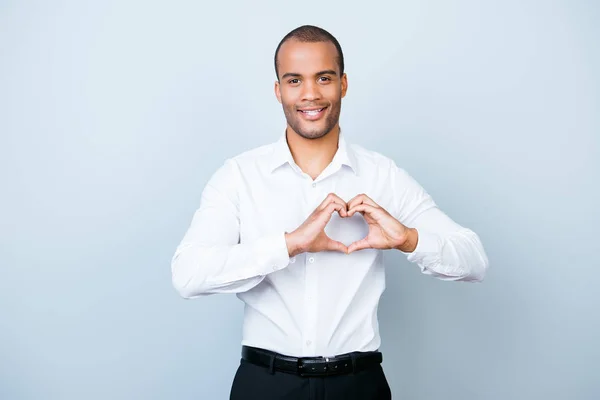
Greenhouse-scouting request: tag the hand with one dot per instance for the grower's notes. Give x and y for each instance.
(385, 231)
(310, 236)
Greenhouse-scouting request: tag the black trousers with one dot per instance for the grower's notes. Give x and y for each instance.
(253, 382)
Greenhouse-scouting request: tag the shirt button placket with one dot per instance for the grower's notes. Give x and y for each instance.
(311, 302)
(310, 290)
(315, 195)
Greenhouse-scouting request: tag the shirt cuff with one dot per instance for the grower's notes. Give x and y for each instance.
(271, 254)
(428, 245)
(428, 255)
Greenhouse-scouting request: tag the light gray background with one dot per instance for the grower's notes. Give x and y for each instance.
(114, 114)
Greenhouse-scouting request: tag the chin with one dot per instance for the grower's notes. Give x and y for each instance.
(312, 134)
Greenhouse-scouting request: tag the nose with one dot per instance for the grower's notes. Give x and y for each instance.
(311, 91)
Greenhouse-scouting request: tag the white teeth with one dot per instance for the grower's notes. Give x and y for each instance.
(313, 112)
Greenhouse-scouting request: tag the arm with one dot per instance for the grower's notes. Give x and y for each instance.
(210, 258)
(443, 249)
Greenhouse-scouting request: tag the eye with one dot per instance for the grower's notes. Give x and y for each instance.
(324, 78)
(294, 81)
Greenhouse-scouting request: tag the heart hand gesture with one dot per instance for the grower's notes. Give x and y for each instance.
(385, 231)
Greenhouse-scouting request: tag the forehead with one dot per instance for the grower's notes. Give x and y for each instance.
(306, 57)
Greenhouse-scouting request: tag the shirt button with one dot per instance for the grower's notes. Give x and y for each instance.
(292, 260)
(311, 260)
(314, 185)
(308, 342)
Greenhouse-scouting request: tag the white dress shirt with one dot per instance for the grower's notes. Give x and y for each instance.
(313, 304)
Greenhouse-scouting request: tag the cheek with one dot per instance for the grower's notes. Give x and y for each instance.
(333, 94)
(285, 97)
(288, 108)
(287, 102)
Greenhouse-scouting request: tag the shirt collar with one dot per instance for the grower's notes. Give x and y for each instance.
(282, 154)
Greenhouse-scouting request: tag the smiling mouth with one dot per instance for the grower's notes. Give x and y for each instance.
(312, 114)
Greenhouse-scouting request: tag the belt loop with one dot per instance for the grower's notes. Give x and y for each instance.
(272, 365)
(353, 356)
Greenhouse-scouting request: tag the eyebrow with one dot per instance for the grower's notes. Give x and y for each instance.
(295, 75)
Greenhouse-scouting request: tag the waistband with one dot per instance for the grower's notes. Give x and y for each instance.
(312, 366)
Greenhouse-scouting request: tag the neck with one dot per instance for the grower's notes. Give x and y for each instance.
(313, 155)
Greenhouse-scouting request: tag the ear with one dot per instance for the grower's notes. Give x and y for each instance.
(344, 81)
(277, 91)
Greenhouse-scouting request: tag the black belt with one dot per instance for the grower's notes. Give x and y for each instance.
(312, 366)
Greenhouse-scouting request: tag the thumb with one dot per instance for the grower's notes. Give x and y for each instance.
(359, 245)
(336, 246)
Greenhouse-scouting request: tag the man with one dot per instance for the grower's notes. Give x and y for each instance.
(296, 229)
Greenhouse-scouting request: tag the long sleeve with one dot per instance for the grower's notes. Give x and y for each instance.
(210, 258)
(444, 249)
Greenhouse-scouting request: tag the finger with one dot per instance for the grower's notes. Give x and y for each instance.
(361, 199)
(328, 199)
(332, 197)
(359, 245)
(337, 205)
(362, 208)
(328, 211)
(334, 245)
(321, 208)
(355, 197)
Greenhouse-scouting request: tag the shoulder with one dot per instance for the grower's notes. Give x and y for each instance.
(374, 161)
(233, 165)
(386, 170)
(253, 155)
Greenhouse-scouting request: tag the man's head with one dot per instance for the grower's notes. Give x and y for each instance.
(309, 64)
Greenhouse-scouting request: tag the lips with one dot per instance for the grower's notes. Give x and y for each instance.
(312, 114)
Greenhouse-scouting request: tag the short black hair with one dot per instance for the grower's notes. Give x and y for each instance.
(311, 34)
